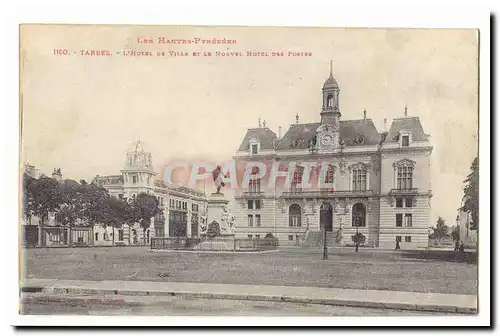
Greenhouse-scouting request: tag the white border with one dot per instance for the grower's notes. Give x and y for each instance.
(421, 14)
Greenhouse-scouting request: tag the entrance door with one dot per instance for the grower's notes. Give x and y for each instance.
(326, 217)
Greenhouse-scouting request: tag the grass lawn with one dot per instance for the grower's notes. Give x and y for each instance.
(423, 271)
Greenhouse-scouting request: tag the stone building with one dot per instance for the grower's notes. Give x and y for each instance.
(182, 208)
(375, 183)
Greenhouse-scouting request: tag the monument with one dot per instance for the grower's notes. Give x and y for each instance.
(219, 229)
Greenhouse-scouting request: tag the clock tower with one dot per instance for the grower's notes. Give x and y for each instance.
(328, 132)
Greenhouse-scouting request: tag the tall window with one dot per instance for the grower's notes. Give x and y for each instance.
(297, 179)
(399, 202)
(254, 186)
(329, 177)
(409, 202)
(399, 220)
(257, 220)
(408, 220)
(405, 177)
(250, 220)
(257, 204)
(359, 178)
(250, 204)
(254, 183)
(120, 235)
(294, 215)
(134, 179)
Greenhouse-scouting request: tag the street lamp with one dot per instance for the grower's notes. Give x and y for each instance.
(357, 234)
(325, 248)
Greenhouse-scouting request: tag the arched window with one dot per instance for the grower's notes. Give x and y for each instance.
(294, 214)
(329, 101)
(359, 215)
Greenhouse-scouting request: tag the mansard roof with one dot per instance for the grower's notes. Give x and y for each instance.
(263, 134)
(299, 135)
(408, 123)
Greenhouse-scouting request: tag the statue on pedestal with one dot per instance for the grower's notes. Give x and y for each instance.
(218, 176)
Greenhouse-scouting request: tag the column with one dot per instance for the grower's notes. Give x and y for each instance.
(368, 178)
(166, 222)
(188, 225)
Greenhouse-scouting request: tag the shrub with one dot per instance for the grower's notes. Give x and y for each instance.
(358, 238)
(270, 240)
(213, 229)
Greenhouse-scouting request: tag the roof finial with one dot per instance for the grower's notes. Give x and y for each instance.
(279, 132)
(331, 68)
(364, 114)
(406, 110)
(297, 118)
(259, 123)
(264, 123)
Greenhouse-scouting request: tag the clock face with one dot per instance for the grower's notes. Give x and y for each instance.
(327, 140)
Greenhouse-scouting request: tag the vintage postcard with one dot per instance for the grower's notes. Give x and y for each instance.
(248, 171)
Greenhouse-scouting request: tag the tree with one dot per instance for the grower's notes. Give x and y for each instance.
(71, 209)
(144, 207)
(455, 233)
(471, 194)
(440, 231)
(27, 197)
(94, 204)
(47, 198)
(117, 212)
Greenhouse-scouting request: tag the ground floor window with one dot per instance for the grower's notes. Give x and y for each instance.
(96, 236)
(294, 215)
(257, 220)
(398, 239)
(257, 236)
(408, 239)
(290, 237)
(120, 234)
(249, 236)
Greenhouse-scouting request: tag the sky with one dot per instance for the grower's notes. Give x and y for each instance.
(82, 113)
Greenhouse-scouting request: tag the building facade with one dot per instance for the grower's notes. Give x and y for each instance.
(371, 182)
(183, 209)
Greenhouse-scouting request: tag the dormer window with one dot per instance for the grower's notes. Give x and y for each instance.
(255, 149)
(404, 138)
(405, 141)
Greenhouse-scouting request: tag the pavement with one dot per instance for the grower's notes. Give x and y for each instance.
(430, 302)
(118, 305)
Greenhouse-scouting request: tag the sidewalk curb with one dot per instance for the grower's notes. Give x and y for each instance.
(77, 290)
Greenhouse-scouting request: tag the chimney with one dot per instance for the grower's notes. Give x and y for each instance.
(385, 124)
(279, 132)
